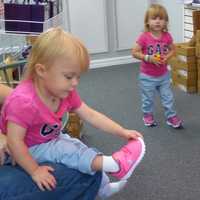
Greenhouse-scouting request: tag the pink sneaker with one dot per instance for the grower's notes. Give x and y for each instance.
(175, 122)
(149, 120)
(128, 157)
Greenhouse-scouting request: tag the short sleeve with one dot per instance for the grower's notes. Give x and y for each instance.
(141, 40)
(169, 38)
(74, 100)
(20, 111)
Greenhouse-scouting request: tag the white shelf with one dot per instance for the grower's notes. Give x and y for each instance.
(196, 5)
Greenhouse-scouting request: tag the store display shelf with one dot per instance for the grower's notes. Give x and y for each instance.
(25, 27)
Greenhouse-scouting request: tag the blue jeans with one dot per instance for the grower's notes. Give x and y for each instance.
(67, 150)
(149, 86)
(15, 184)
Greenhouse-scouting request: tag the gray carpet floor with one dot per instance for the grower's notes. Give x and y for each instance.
(170, 169)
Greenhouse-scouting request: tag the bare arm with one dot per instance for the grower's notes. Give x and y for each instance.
(137, 52)
(104, 123)
(172, 51)
(19, 150)
(3, 148)
(40, 174)
(5, 91)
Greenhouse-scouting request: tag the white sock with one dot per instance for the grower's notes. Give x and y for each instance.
(111, 189)
(107, 188)
(109, 164)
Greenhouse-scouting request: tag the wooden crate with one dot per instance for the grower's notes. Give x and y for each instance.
(185, 50)
(196, 20)
(198, 81)
(198, 86)
(198, 50)
(185, 80)
(183, 62)
(198, 75)
(184, 68)
(198, 64)
(198, 44)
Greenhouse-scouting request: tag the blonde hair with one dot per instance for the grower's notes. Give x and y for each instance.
(54, 44)
(156, 10)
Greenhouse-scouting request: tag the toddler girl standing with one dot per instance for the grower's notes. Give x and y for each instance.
(155, 47)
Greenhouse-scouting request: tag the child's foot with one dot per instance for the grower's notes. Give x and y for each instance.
(128, 157)
(149, 120)
(111, 189)
(175, 122)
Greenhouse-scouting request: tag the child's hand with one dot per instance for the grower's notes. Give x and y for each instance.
(164, 59)
(156, 59)
(43, 178)
(4, 149)
(132, 134)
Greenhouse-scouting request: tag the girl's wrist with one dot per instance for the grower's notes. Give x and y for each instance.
(124, 133)
(120, 132)
(146, 58)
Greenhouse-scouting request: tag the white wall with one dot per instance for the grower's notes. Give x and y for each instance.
(175, 12)
(88, 21)
(129, 21)
(108, 28)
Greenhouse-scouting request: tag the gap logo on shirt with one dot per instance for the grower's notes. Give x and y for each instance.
(157, 49)
(48, 129)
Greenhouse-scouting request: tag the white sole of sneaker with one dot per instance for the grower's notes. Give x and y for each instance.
(177, 126)
(148, 125)
(137, 161)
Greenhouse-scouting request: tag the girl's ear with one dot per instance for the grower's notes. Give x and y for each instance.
(40, 70)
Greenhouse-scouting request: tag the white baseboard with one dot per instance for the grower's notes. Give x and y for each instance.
(111, 61)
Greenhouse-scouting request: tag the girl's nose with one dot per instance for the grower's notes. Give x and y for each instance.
(75, 81)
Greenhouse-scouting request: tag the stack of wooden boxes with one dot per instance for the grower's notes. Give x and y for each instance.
(186, 64)
(184, 68)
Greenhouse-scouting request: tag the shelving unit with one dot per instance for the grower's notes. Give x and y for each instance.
(49, 23)
(186, 64)
(24, 19)
(188, 22)
(30, 17)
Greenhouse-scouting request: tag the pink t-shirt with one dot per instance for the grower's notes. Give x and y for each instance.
(150, 46)
(26, 109)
